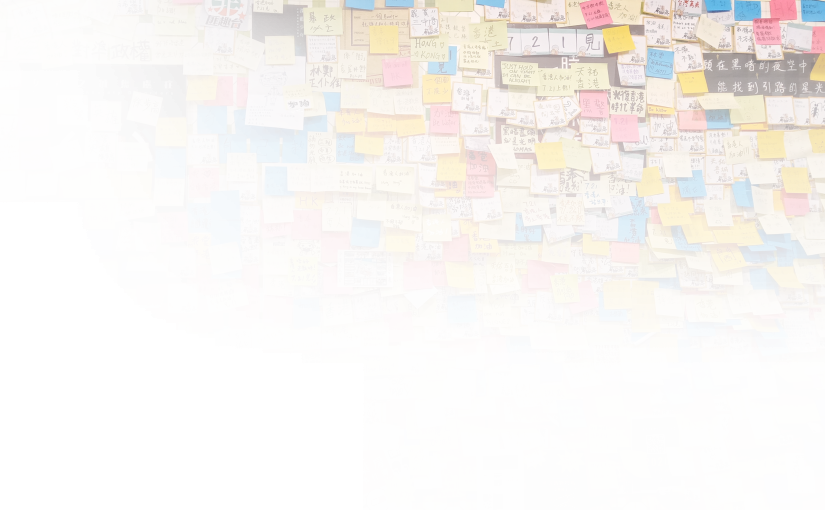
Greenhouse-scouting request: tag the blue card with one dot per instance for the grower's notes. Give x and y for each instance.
(718, 119)
(749, 11)
(717, 5)
(491, 3)
(275, 182)
(449, 67)
(333, 101)
(364, 5)
(659, 64)
(400, 3)
(692, 187)
(212, 120)
(527, 234)
(813, 10)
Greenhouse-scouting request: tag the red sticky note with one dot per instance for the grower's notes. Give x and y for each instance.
(624, 253)
(539, 273)
(702, 405)
(203, 181)
(588, 299)
(457, 250)
(818, 40)
(693, 120)
(442, 119)
(277, 310)
(331, 282)
(594, 104)
(480, 186)
(174, 227)
(400, 325)
(242, 91)
(32, 122)
(306, 224)
(439, 273)
(331, 244)
(225, 95)
(624, 128)
(783, 10)
(204, 320)
(596, 13)
(495, 349)
(766, 31)
(397, 72)
(418, 275)
(34, 154)
(246, 315)
(480, 163)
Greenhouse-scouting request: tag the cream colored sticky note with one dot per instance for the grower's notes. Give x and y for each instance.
(751, 110)
(651, 182)
(280, 50)
(709, 31)
(796, 180)
(323, 21)
(550, 156)
(720, 101)
(384, 39)
(771, 144)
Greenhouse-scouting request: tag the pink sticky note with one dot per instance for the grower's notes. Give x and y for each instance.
(596, 13)
(34, 154)
(588, 299)
(702, 405)
(397, 72)
(818, 40)
(480, 163)
(480, 186)
(418, 275)
(439, 273)
(32, 122)
(270, 230)
(796, 204)
(442, 119)
(693, 120)
(495, 349)
(457, 250)
(783, 10)
(594, 104)
(624, 253)
(331, 243)
(306, 224)
(766, 31)
(225, 95)
(624, 128)
(538, 274)
(277, 310)
(330, 274)
(400, 325)
(242, 91)
(201, 181)
(654, 216)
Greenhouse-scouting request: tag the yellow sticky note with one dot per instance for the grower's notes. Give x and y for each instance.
(677, 213)
(450, 168)
(771, 144)
(436, 88)
(550, 156)
(380, 124)
(727, 257)
(201, 88)
(635, 462)
(455, 5)
(660, 110)
(785, 276)
(698, 230)
(576, 155)
(410, 126)
(171, 132)
(460, 275)
(751, 110)
(323, 21)
(693, 83)
(373, 145)
(651, 182)
(399, 241)
(555, 82)
(796, 180)
(817, 137)
(818, 72)
(494, 33)
(617, 294)
(384, 39)
(591, 247)
(618, 39)
(565, 288)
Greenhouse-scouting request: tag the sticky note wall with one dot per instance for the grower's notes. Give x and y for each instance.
(529, 253)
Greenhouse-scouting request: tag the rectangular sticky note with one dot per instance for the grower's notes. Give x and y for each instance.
(550, 156)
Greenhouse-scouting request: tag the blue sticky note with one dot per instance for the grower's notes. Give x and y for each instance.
(491, 3)
(748, 11)
(333, 101)
(295, 147)
(718, 119)
(777, 485)
(449, 67)
(461, 309)
(519, 351)
(364, 5)
(571, 413)
(144, 276)
(198, 217)
(306, 312)
(225, 205)
(717, 5)
(677, 390)
(742, 193)
(702, 378)
(267, 149)
(100, 242)
(317, 123)
(761, 280)
(345, 150)
(632, 229)
(212, 120)
(610, 315)
(659, 64)
(400, 3)
(241, 129)
(692, 187)
(170, 162)
(813, 10)
(275, 183)
(527, 234)
(365, 233)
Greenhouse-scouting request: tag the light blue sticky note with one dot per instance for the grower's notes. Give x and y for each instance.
(364, 5)
(718, 119)
(295, 147)
(317, 123)
(749, 11)
(345, 149)
(717, 5)
(659, 64)
(527, 234)
(170, 162)
(813, 10)
(365, 233)
(333, 101)
(632, 229)
(491, 3)
(268, 149)
(306, 312)
(275, 181)
(680, 241)
(742, 193)
(212, 120)
(450, 67)
(692, 187)
(230, 143)
(400, 3)
(461, 309)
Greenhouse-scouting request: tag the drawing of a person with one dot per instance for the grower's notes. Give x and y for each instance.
(554, 50)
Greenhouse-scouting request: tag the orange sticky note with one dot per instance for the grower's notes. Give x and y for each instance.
(350, 121)
(373, 145)
(651, 182)
(410, 126)
(384, 39)
(436, 89)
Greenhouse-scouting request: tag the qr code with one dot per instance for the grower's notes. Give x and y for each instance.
(656, 443)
